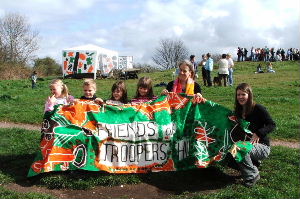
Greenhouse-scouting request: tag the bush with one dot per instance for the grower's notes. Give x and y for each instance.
(14, 71)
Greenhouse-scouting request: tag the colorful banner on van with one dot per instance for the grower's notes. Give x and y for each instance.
(171, 133)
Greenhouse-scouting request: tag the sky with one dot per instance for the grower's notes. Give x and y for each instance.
(135, 27)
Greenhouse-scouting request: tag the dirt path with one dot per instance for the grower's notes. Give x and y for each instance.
(137, 191)
(38, 127)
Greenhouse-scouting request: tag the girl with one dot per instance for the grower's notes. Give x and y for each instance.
(118, 94)
(261, 124)
(144, 92)
(59, 95)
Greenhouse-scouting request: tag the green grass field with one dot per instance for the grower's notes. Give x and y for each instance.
(280, 174)
(279, 92)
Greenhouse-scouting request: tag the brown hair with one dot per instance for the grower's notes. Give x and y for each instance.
(144, 82)
(120, 85)
(65, 90)
(190, 65)
(238, 109)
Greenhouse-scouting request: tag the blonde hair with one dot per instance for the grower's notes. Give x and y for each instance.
(145, 82)
(90, 82)
(64, 88)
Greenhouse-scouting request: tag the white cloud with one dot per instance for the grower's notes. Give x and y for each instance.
(134, 27)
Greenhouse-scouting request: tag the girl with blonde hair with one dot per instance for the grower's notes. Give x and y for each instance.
(60, 95)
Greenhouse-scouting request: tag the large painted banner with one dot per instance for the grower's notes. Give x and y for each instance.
(169, 134)
(78, 62)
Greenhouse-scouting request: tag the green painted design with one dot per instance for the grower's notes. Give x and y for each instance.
(167, 134)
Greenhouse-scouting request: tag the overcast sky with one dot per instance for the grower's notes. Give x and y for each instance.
(134, 27)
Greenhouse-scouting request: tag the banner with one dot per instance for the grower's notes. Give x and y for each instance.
(169, 134)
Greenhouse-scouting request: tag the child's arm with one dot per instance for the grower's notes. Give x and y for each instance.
(70, 99)
(49, 106)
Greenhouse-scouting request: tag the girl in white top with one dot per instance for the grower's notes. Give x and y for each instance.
(223, 69)
(60, 95)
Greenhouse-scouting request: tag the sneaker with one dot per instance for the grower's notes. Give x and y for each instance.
(252, 182)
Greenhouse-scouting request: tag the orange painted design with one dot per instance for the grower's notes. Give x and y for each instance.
(80, 64)
(65, 65)
(77, 113)
(91, 125)
(202, 135)
(82, 56)
(52, 156)
(172, 101)
(233, 118)
(91, 69)
(71, 54)
(69, 72)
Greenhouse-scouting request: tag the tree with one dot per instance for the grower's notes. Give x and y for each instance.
(17, 41)
(47, 66)
(169, 53)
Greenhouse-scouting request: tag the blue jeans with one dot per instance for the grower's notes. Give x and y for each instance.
(230, 76)
(259, 152)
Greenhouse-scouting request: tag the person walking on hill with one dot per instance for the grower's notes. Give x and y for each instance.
(33, 78)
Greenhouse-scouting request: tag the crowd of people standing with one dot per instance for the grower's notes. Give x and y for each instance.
(267, 54)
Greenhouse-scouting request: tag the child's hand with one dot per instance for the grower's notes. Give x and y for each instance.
(165, 92)
(98, 101)
(52, 99)
(198, 98)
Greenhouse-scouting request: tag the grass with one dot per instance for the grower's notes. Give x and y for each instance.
(279, 92)
(280, 174)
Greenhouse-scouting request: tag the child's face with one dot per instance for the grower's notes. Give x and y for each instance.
(143, 91)
(89, 91)
(242, 97)
(117, 94)
(56, 90)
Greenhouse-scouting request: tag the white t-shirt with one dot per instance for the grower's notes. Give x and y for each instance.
(223, 66)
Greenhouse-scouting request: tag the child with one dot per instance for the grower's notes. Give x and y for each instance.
(144, 92)
(89, 89)
(259, 69)
(118, 94)
(60, 95)
(270, 68)
(33, 78)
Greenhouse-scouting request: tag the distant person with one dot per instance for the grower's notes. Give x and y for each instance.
(144, 91)
(230, 69)
(259, 69)
(195, 66)
(89, 90)
(270, 68)
(202, 65)
(223, 69)
(261, 124)
(60, 95)
(118, 94)
(209, 66)
(33, 78)
(185, 83)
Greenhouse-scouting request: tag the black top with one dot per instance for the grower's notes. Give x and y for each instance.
(261, 123)
(197, 88)
(85, 98)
